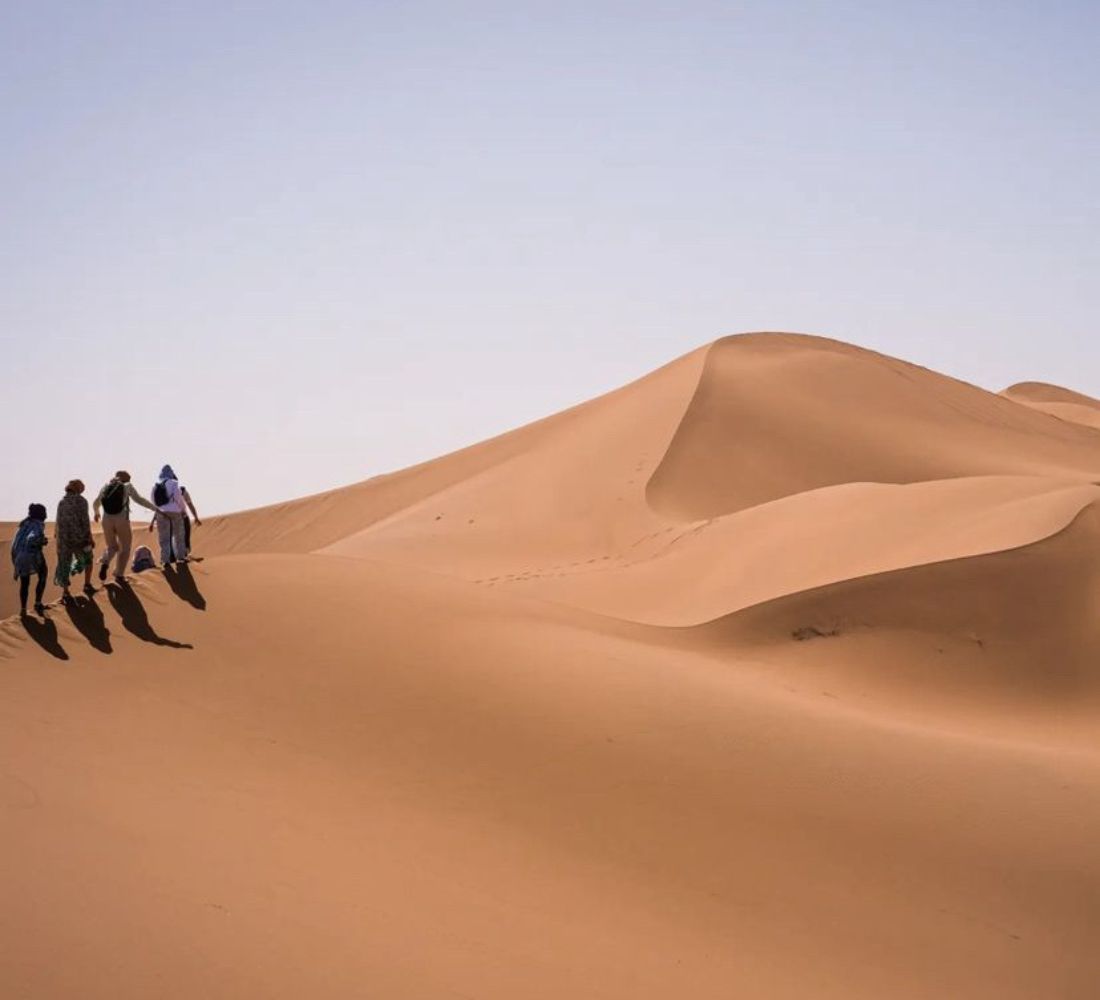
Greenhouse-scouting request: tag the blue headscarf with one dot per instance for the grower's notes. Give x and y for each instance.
(167, 473)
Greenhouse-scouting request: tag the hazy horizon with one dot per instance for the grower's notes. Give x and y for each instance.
(292, 252)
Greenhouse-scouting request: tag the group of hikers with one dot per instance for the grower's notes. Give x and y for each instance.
(75, 545)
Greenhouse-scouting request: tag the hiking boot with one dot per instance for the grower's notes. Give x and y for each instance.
(89, 589)
(102, 572)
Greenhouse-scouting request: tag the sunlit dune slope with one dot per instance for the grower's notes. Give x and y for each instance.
(713, 568)
(1058, 402)
(1044, 392)
(774, 415)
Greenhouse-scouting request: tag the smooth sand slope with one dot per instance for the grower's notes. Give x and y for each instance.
(773, 674)
(1062, 403)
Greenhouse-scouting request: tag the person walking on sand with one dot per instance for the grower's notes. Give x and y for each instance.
(73, 532)
(118, 536)
(190, 505)
(172, 502)
(28, 559)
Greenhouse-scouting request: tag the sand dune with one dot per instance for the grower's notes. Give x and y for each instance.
(773, 674)
(775, 415)
(1044, 392)
(1065, 404)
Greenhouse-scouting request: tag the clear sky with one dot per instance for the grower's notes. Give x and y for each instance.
(287, 246)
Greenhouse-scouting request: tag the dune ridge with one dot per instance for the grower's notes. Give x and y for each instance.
(1074, 407)
(771, 674)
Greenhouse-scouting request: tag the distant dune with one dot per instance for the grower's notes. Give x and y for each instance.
(774, 674)
(1058, 402)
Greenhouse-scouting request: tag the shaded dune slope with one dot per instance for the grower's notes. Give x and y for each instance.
(779, 414)
(1015, 632)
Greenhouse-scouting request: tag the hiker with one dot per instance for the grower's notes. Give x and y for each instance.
(28, 559)
(172, 501)
(75, 546)
(115, 499)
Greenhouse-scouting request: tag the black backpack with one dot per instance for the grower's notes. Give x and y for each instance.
(160, 493)
(114, 497)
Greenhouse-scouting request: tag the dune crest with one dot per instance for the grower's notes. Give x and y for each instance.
(1065, 404)
(775, 673)
(777, 414)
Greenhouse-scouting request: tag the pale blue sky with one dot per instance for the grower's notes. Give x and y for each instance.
(287, 246)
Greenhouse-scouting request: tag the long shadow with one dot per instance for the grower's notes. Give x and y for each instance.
(45, 634)
(129, 608)
(86, 616)
(183, 585)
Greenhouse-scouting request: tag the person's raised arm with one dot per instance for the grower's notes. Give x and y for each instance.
(139, 499)
(187, 500)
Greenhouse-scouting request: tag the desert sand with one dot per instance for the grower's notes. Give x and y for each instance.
(774, 674)
(1073, 406)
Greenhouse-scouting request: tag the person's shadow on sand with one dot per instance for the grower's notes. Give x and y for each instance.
(45, 634)
(183, 585)
(87, 618)
(129, 608)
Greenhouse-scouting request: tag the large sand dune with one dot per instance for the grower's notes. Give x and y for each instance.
(773, 674)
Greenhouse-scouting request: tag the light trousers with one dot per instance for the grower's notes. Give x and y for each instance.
(118, 536)
(171, 536)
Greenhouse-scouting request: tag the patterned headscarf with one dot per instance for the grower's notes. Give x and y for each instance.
(167, 473)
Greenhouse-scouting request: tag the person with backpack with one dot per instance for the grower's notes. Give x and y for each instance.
(28, 559)
(189, 505)
(118, 536)
(75, 545)
(172, 502)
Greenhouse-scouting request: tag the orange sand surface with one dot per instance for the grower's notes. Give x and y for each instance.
(775, 674)
(1059, 402)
